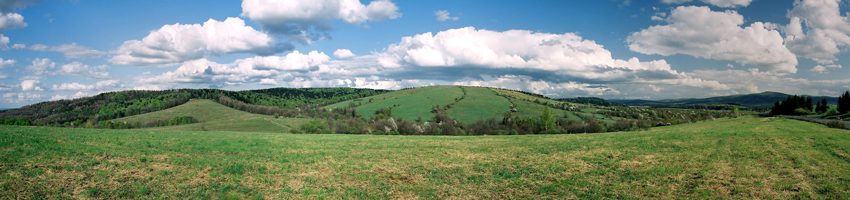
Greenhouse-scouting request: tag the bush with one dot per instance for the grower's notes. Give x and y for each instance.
(836, 124)
(315, 126)
(801, 111)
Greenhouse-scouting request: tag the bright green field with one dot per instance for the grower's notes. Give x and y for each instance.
(766, 158)
(409, 104)
(216, 117)
(479, 103)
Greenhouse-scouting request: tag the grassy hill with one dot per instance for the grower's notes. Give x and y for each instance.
(466, 104)
(216, 117)
(741, 158)
(759, 100)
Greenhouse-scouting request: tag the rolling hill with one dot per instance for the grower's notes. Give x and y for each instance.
(469, 104)
(758, 100)
(216, 117)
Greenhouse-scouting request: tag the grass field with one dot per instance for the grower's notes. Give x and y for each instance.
(728, 158)
(408, 104)
(479, 103)
(216, 117)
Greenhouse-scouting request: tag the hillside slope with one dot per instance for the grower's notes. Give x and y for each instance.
(215, 117)
(759, 100)
(467, 104)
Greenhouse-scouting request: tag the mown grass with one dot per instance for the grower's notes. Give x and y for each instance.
(738, 158)
(217, 117)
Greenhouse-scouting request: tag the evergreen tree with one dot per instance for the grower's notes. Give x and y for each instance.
(844, 103)
(808, 104)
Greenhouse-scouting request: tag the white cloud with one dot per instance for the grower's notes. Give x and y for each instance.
(823, 69)
(79, 69)
(526, 83)
(11, 21)
(826, 30)
(79, 95)
(43, 66)
(718, 3)
(7, 63)
(561, 54)
(268, 81)
(184, 42)
(58, 97)
(30, 85)
(309, 20)
(703, 33)
(69, 50)
(4, 42)
(20, 97)
(819, 69)
(40, 66)
(443, 15)
(343, 53)
(71, 86)
(292, 61)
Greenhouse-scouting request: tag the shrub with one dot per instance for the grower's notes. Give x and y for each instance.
(836, 124)
(315, 126)
(801, 111)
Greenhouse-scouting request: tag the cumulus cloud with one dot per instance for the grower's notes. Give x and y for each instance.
(443, 15)
(184, 42)
(4, 42)
(718, 3)
(343, 53)
(30, 85)
(43, 66)
(309, 20)
(20, 97)
(558, 54)
(40, 66)
(817, 30)
(292, 61)
(268, 81)
(11, 21)
(822, 69)
(100, 85)
(7, 63)
(703, 33)
(70, 50)
(58, 97)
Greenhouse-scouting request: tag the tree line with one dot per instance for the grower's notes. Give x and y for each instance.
(803, 105)
(113, 105)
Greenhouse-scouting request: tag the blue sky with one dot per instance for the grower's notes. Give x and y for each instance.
(653, 49)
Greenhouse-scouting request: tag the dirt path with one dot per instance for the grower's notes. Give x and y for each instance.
(275, 123)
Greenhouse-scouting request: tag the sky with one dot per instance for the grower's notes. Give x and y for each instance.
(614, 49)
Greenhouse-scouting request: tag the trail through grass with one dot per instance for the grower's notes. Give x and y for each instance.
(728, 158)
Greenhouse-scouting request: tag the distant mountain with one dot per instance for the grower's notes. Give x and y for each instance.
(758, 100)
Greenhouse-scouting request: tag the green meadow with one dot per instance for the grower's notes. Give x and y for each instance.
(748, 157)
(216, 117)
